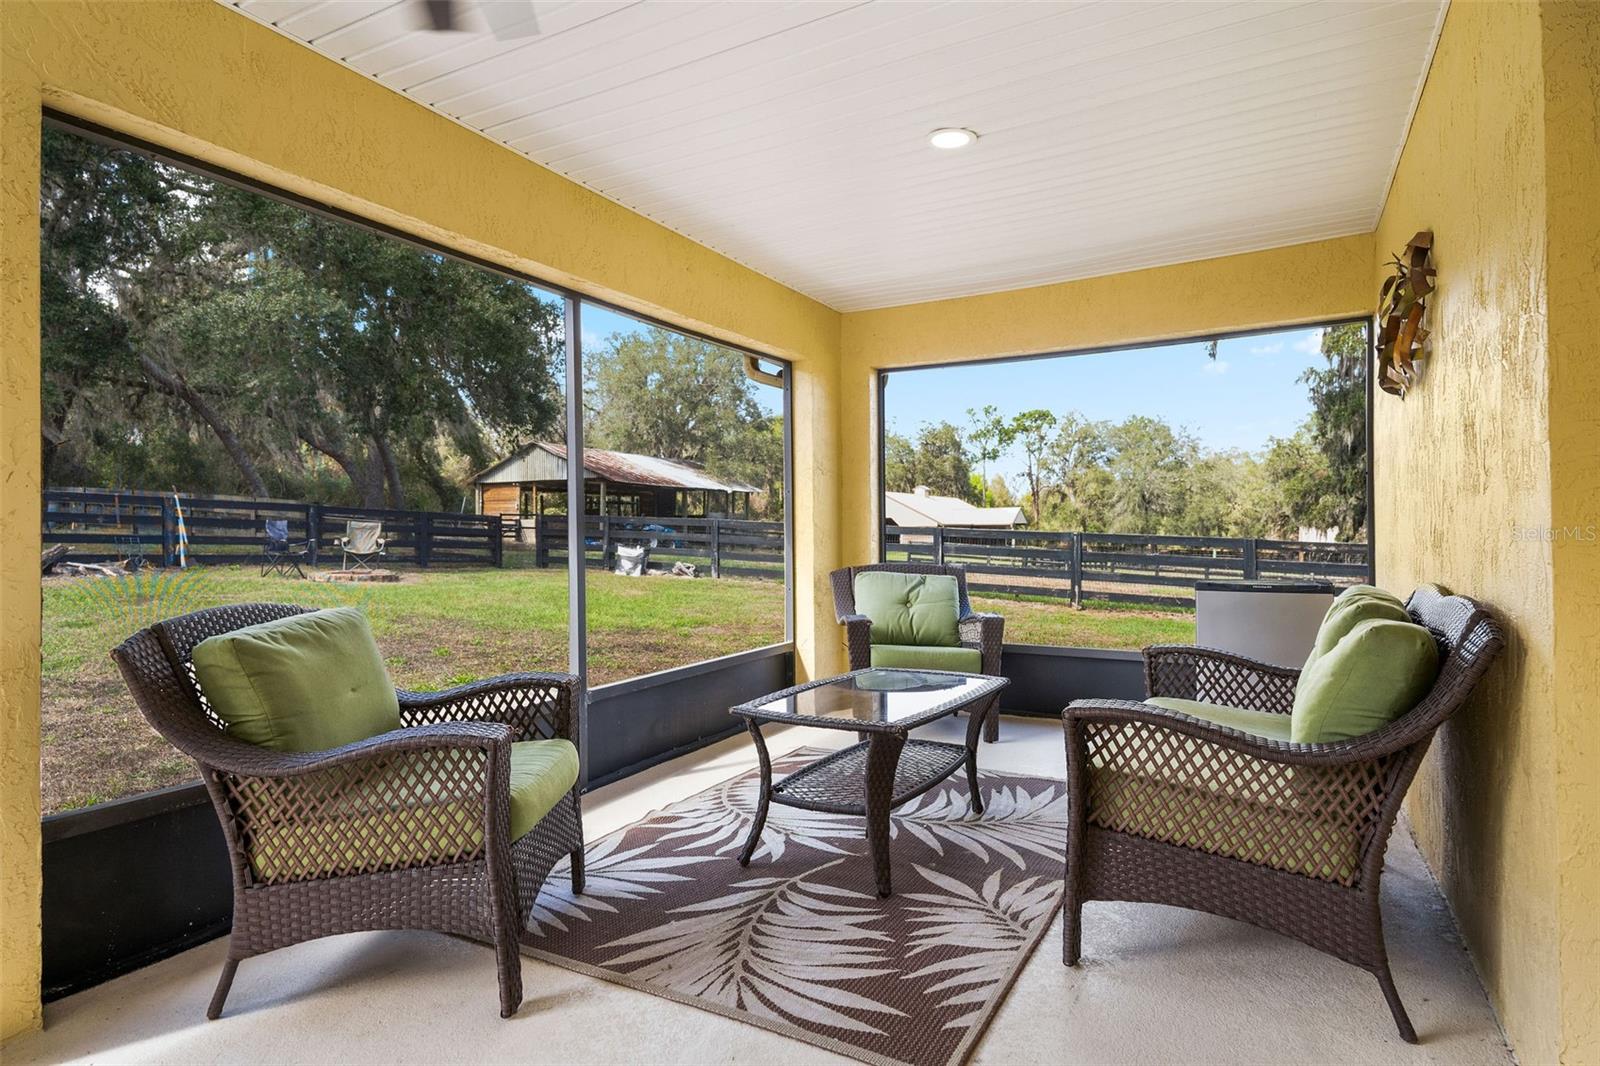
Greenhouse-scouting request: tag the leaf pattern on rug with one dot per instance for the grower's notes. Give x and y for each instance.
(1013, 821)
(988, 925)
(609, 874)
(720, 818)
(773, 946)
(798, 942)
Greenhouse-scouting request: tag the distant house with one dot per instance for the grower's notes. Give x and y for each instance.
(919, 507)
(534, 480)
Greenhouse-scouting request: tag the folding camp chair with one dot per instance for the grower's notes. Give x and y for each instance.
(281, 555)
(362, 542)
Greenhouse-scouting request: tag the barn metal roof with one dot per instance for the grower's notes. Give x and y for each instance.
(925, 509)
(618, 468)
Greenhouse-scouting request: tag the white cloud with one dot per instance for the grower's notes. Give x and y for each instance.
(1267, 349)
(1310, 344)
(1215, 366)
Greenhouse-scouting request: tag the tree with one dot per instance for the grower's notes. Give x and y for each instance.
(177, 309)
(1147, 463)
(1299, 475)
(936, 459)
(1338, 425)
(1076, 472)
(86, 355)
(1032, 429)
(1000, 494)
(666, 394)
(989, 437)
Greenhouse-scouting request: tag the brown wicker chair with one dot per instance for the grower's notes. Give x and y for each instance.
(1294, 834)
(984, 632)
(316, 851)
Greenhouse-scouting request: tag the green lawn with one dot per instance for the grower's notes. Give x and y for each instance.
(438, 629)
(1042, 621)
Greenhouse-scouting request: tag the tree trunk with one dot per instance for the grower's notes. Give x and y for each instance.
(391, 471)
(364, 476)
(175, 385)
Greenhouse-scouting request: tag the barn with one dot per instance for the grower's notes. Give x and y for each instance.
(533, 481)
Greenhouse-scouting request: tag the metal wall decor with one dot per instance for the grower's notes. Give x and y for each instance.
(1402, 304)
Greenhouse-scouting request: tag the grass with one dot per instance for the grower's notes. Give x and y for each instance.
(438, 629)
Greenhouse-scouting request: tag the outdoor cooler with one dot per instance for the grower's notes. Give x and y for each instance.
(1274, 621)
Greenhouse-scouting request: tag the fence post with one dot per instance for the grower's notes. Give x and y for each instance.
(541, 545)
(313, 533)
(1250, 570)
(1077, 568)
(605, 542)
(497, 543)
(424, 535)
(938, 545)
(715, 530)
(168, 533)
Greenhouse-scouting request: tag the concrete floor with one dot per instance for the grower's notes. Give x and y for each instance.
(1156, 985)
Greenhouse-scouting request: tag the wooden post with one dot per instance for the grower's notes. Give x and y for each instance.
(605, 531)
(313, 533)
(497, 536)
(168, 533)
(424, 535)
(541, 542)
(715, 530)
(1076, 566)
(938, 545)
(1250, 569)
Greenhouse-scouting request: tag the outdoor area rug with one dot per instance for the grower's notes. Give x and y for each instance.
(799, 942)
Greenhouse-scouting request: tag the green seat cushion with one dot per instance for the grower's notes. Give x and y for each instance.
(919, 609)
(390, 820)
(1269, 827)
(1377, 672)
(1165, 794)
(1179, 793)
(1245, 720)
(542, 771)
(914, 657)
(309, 682)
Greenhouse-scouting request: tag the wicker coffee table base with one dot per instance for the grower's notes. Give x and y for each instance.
(870, 779)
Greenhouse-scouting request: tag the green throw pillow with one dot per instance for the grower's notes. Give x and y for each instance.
(920, 609)
(305, 683)
(1356, 604)
(1380, 670)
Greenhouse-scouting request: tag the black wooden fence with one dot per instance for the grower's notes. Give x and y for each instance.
(104, 524)
(734, 547)
(1114, 567)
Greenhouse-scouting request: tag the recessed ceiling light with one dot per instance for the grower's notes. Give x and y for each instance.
(951, 137)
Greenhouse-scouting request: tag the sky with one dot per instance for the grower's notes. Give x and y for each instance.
(1249, 394)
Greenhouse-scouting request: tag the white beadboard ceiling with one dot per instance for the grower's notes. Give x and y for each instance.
(792, 137)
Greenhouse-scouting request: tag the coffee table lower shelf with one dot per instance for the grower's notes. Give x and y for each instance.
(837, 784)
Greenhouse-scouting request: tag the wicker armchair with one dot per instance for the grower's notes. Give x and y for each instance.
(405, 830)
(1166, 808)
(983, 632)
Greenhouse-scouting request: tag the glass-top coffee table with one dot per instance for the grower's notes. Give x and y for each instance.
(887, 767)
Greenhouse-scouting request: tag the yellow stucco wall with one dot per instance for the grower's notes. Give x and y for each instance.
(1571, 45)
(1498, 446)
(1281, 287)
(196, 78)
